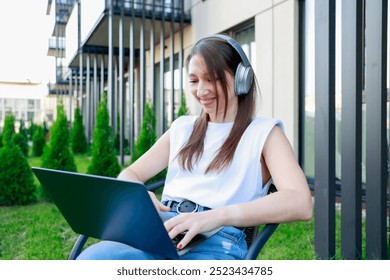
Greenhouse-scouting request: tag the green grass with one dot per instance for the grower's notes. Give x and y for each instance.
(39, 232)
(34, 232)
(290, 241)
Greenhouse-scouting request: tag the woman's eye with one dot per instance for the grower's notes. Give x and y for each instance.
(192, 81)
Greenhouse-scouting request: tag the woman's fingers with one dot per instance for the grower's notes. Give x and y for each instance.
(191, 224)
(179, 226)
(186, 240)
(162, 207)
(159, 206)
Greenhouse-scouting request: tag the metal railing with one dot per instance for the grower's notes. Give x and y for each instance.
(363, 68)
(160, 8)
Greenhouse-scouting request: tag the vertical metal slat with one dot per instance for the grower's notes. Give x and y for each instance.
(122, 99)
(142, 66)
(325, 128)
(376, 184)
(131, 78)
(351, 187)
(88, 97)
(172, 61)
(162, 81)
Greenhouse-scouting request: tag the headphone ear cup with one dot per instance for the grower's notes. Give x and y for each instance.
(243, 79)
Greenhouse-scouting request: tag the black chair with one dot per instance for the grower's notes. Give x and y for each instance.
(255, 239)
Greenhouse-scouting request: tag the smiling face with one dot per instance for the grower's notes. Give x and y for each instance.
(208, 90)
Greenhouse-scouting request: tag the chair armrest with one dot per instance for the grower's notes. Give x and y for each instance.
(77, 247)
(155, 185)
(260, 241)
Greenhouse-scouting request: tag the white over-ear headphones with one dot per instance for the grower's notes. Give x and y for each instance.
(244, 75)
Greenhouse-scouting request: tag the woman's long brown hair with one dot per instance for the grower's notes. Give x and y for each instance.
(219, 57)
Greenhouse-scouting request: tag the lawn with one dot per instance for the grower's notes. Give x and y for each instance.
(39, 232)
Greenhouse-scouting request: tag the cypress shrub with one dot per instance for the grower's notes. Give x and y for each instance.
(146, 139)
(183, 110)
(147, 136)
(17, 185)
(104, 160)
(9, 130)
(79, 140)
(31, 130)
(23, 129)
(21, 138)
(58, 154)
(39, 141)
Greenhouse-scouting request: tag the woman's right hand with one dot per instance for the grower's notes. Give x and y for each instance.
(159, 206)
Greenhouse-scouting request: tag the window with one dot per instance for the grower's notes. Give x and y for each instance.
(31, 116)
(246, 38)
(30, 103)
(8, 104)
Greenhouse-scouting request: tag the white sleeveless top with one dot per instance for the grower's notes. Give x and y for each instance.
(240, 182)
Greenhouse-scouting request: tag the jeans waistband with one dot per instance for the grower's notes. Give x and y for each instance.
(185, 206)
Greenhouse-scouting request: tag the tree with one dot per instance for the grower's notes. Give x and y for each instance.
(39, 140)
(104, 160)
(21, 138)
(23, 129)
(183, 110)
(79, 140)
(9, 130)
(17, 185)
(31, 130)
(147, 138)
(58, 154)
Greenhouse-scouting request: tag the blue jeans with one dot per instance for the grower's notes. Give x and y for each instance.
(228, 244)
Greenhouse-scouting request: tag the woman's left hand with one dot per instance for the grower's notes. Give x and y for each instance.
(192, 224)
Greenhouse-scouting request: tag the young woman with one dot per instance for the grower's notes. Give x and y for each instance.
(220, 163)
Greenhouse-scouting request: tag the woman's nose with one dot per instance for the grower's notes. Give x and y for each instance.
(203, 89)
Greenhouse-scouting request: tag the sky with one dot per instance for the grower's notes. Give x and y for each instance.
(24, 33)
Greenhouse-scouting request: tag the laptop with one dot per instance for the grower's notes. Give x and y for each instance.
(110, 209)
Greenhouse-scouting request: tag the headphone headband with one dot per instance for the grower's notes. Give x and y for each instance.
(235, 45)
(243, 78)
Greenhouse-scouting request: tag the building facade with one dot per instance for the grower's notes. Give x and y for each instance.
(134, 51)
(24, 100)
(102, 44)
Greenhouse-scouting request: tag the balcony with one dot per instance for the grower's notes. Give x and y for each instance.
(94, 26)
(162, 9)
(57, 47)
